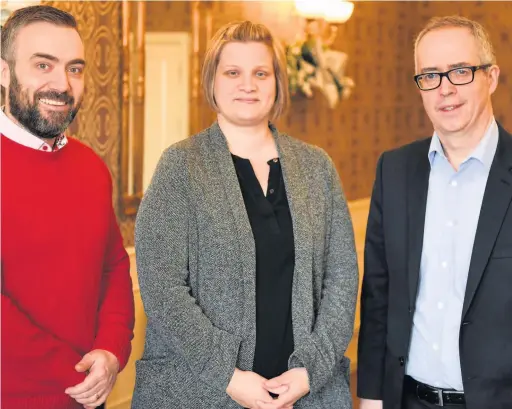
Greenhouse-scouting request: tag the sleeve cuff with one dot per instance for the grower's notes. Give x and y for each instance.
(219, 369)
(308, 356)
(122, 353)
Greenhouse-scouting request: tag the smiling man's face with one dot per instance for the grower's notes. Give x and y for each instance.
(44, 78)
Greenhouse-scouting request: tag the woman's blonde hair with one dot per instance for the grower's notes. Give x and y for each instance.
(246, 31)
(486, 50)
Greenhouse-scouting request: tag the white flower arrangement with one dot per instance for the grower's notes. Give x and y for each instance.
(312, 65)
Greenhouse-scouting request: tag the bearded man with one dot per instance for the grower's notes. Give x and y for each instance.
(67, 302)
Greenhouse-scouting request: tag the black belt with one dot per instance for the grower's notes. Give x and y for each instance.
(435, 396)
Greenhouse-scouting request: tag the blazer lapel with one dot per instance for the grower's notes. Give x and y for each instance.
(417, 190)
(496, 201)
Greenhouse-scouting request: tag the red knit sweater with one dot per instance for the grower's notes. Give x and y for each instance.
(66, 287)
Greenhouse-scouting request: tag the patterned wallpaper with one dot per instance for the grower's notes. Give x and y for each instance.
(385, 109)
(98, 123)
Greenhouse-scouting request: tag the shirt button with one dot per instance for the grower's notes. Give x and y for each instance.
(271, 191)
(436, 347)
(444, 264)
(454, 183)
(45, 148)
(440, 305)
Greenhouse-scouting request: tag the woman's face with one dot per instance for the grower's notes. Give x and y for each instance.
(245, 83)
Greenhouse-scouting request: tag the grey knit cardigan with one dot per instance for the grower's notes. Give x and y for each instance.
(196, 267)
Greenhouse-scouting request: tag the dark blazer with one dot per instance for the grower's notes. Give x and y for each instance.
(394, 241)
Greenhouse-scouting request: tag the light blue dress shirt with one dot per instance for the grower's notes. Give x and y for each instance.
(453, 207)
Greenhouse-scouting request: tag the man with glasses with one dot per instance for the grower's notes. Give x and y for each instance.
(436, 322)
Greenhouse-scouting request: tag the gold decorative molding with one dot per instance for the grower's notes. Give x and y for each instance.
(133, 78)
(201, 27)
(208, 6)
(196, 18)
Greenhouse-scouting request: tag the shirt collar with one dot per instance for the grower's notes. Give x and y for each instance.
(20, 135)
(484, 152)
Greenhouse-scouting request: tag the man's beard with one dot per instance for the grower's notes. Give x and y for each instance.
(28, 113)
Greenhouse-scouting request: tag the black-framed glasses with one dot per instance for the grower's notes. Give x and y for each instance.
(457, 76)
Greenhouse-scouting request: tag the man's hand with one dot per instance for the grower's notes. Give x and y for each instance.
(370, 404)
(246, 388)
(290, 386)
(102, 367)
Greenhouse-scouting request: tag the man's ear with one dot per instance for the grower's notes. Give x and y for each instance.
(494, 74)
(5, 74)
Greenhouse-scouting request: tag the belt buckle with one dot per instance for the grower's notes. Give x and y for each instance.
(440, 398)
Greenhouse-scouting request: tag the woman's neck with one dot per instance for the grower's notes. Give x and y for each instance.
(248, 141)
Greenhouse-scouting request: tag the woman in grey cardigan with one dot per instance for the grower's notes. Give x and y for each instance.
(245, 252)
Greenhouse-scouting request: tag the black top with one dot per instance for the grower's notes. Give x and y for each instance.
(272, 228)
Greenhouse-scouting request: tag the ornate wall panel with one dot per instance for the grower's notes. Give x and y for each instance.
(98, 123)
